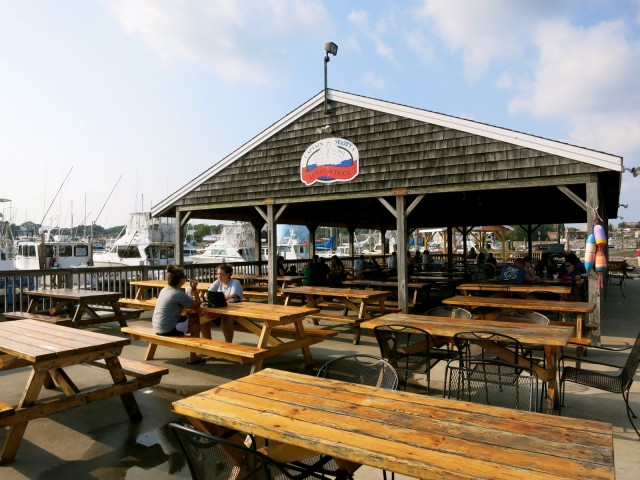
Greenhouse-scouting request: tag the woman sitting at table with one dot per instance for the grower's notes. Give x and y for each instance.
(232, 290)
(167, 319)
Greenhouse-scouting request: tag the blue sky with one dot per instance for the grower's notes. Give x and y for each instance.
(154, 92)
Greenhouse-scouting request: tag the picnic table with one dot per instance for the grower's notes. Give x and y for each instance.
(407, 433)
(143, 287)
(251, 280)
(580, 309)
(552, 337)
(354, 301)
(49, 349)
(279, 329)
(387, 284)
(497, 288)
(82, 307)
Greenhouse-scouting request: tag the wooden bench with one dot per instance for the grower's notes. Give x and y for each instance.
(260, 295)
(133, 368)
(37, 316)
(148, 304)
(6, 410)
(289, 331)
(228, 351)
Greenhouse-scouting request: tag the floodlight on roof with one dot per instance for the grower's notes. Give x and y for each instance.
(635, 171)
(329, 48)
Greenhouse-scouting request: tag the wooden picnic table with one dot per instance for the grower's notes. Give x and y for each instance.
(553, 337)
(495, 288)
(284, 281)
(49, 349)
(411, 434)
(141, 299)
(388, 284)
(356, 301)
(279, 329)
(83, 307)
(581, 309)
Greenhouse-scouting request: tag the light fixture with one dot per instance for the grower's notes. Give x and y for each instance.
(329, 48)
(635, 171)
(325, 129)
(625, 205)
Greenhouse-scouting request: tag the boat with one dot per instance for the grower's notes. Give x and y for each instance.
(236, 244)
(7, 261)
(50, 251)
(293, 242)
(144, 241)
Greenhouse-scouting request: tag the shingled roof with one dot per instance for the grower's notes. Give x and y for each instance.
(470, 173)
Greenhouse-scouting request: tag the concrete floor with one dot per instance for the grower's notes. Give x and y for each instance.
(97, 441)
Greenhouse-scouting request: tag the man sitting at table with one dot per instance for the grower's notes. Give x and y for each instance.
(359, 266)
(167, 319)
(232, 290)
(515, 273)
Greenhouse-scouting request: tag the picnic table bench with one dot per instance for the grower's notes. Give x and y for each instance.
(272, 324)
(617, 273)
(219, 349)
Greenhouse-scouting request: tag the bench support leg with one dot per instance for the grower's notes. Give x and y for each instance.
(151, 351)
(128, 400)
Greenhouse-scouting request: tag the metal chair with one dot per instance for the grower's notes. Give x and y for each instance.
(514, 316)
(410, 350)
(618, 380)
(480, 376)
(213, 458)
(447, 311)
(362, 369)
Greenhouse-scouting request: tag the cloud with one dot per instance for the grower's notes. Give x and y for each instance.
(485, 33)
(374, 81)
(589, 76)
(241, 41)
(358, 17)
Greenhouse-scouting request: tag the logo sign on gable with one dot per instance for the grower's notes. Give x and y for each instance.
(330, 160)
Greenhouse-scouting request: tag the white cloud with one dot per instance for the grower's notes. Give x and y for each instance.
(241, 41)
(589, 76)
(420, 45)
(358, 17)
(487, 32)
(374, 80)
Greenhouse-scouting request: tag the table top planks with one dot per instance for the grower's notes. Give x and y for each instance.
(36, 341)
(412, 434)
(522, 303)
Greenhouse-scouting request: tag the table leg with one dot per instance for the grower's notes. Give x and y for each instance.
(306, 351)
(16, 431)
(128, 400)
(551, 359)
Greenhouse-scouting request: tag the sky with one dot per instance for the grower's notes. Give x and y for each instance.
(109, 106)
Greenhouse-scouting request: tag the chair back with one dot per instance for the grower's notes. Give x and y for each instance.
(216, 458)
(479, 347)
(524, 317)
(362, 369)
(631, 365)
(491, 371)
(448, 311)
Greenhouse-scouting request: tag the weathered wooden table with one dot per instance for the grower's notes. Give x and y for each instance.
(407, 433)
(83, 307)
(49, 349)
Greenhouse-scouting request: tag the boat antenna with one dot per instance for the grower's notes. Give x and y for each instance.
(105, 202)
(56, 196)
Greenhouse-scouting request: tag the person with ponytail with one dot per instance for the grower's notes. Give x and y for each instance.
(167, 319)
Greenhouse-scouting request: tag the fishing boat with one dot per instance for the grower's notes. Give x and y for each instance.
(144, 241)
(236, 244)
(50, 251)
